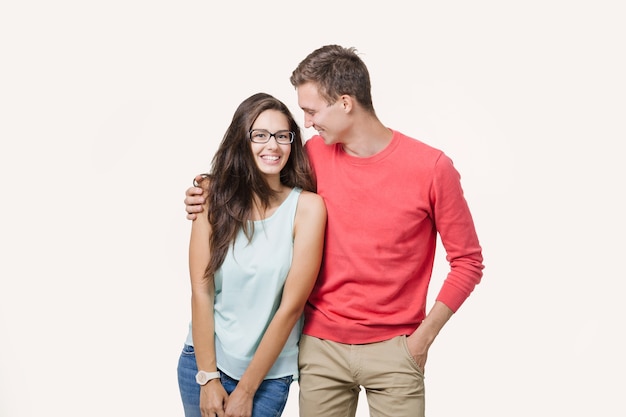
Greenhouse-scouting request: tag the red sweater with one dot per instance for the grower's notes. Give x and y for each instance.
(384, 213)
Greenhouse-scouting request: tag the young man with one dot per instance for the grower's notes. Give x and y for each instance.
(387, 197)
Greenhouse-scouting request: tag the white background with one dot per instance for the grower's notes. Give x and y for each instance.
(108, 110)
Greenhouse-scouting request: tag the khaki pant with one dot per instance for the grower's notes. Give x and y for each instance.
(331, 376)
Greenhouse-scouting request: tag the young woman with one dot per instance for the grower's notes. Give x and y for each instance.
(253, 261)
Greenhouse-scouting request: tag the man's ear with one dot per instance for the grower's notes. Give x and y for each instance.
(346, 102)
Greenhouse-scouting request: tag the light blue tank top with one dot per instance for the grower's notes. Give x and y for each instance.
(248, 289)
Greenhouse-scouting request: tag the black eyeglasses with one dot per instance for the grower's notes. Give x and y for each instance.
(283, 137)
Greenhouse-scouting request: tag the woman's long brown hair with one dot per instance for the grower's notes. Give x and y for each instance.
(235, 180)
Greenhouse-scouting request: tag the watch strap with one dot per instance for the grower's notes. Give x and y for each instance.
(202, 377)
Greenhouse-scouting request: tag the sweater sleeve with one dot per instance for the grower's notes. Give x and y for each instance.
(455, 226)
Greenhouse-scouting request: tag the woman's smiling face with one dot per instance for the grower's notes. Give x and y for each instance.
(272, 156)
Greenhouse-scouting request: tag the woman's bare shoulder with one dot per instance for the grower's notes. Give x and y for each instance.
(311, 202)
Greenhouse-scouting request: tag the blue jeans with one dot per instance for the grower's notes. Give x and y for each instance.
(269, 400)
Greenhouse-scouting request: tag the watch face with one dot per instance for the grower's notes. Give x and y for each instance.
(201, 378)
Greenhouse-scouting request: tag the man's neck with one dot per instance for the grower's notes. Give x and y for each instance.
(368, 139)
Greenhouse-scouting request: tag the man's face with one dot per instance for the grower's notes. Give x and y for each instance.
(330, 121)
